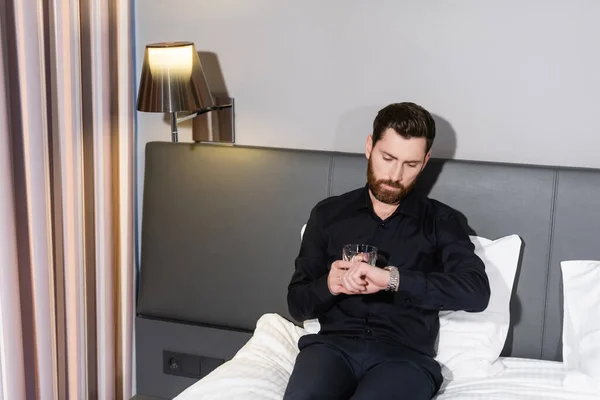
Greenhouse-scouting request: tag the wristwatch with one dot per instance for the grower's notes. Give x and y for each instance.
(394, 278)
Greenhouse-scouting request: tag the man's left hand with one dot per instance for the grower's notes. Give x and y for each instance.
(377, 278)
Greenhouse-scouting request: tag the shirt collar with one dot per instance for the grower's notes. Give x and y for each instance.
(409, 206)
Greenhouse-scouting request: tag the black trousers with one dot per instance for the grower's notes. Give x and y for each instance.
(332, 367)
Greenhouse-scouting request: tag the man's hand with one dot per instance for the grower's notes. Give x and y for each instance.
(338, 281)
(356, 278)
(377, 279)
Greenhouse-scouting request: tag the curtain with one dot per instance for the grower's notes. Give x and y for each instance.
(66, 199)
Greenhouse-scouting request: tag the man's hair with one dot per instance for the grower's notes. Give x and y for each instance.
(409, 120)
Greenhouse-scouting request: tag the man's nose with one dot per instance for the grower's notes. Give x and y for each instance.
(398, 173)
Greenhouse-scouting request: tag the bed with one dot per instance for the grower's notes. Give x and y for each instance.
(215, 212)
(260, 371)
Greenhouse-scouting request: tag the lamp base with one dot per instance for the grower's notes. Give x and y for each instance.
(216, 126)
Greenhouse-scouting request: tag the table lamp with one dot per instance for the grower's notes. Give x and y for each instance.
(172, 81)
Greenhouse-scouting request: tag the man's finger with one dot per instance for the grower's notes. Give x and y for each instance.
(357, 283)
(347, 284)
(361, 257)
(342, 265)
(350, 284)
(357, 280)
(358, 273)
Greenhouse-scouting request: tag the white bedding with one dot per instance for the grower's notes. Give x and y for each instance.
(261, 369)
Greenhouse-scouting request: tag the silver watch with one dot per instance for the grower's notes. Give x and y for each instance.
(394, 278)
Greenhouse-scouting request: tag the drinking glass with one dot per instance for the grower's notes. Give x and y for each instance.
(360, 252)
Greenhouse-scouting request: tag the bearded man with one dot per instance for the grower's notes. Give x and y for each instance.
(379, 321)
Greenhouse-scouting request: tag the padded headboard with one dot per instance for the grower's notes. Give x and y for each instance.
(221, 229)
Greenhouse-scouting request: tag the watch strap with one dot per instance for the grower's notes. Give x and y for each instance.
(394, 278)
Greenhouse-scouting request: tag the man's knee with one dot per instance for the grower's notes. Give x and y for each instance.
(310, 387)
(397, 381)
(320, 372)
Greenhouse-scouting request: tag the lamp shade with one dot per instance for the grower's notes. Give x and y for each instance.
(172, 79)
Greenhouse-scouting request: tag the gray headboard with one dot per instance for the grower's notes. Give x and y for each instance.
(221, 229)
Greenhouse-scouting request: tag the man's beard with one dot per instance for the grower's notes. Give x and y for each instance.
(384, 194)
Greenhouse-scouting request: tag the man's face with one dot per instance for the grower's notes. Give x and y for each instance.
(394, 165)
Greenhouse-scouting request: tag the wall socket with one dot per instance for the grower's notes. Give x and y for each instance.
(188, 365)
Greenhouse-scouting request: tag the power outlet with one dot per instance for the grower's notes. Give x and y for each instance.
(188, 365)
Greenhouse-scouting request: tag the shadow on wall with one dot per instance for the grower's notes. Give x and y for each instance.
(213, 73)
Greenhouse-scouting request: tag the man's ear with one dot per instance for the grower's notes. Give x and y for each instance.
(427, 157)
(369, 146)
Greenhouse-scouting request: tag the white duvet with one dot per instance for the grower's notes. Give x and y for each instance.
(261, 369)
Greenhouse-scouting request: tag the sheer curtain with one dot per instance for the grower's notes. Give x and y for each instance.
(66, 199)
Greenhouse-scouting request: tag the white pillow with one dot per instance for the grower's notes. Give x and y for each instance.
(469, 344)
(581, 324)
(260, 370)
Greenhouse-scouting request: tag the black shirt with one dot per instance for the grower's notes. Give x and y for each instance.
(423, 238)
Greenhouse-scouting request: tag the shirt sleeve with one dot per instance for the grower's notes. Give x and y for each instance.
(308, 293)
(463, 284)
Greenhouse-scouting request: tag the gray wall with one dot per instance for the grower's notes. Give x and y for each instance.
(515, 80)
(508, 81)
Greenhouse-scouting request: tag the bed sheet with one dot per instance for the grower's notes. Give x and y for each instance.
(521, 379)
(261, 369)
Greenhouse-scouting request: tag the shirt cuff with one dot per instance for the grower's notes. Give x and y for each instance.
(321, 289)
(413, 284)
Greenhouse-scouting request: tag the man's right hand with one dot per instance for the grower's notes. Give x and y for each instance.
(339, 282)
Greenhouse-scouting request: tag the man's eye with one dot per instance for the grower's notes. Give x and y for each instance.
(387, 158)
(412, 165)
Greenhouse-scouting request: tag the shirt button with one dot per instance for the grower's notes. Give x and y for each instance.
(441, 306)
(369, 315)
(368, 332)
(382, 224)
(407, 301)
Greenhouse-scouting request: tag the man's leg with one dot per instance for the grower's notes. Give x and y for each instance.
(320, 372)
(398, 380)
